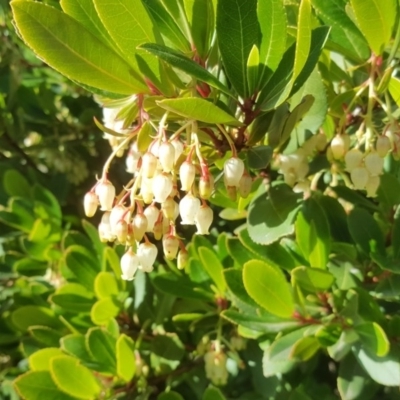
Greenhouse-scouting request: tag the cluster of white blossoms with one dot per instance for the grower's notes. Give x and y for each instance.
(170, 180)
(364, 167)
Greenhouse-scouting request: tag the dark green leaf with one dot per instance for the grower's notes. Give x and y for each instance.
(259, 157)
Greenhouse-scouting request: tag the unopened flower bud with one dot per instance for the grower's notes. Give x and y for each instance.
(233, 171)
(117, 213)
(204, 218)
(321, 141)
(162, 187)
(139, 224)
(372, 185)
(374, 163)
(187, 173)
(231, 191)
(90, 203)
(166, 155)
(353, 159)
(105, 228)
(147, 253)
(169, 208)
(359, 177)
(206, 186)
(340, 145)
(132, 159)
(158, 229)
(151, 212)
(183, 259)
(146, 190)
(383, 146)
(178, 145)
(170, 246)
(121, 231)
(149, 165)
(188, 208)
(129, 265)
(105, 191)
(245, 185)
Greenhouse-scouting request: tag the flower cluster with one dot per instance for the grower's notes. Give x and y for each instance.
(170, 179)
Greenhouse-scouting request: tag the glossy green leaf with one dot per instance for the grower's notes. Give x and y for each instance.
(366, 232)
(345, 33)
(52, 34)
(213, 266)
(394, 89)
(171, 395)
(212, 393)
(268, 287)
(312, 233)
(26, 316)
(383, 14)
(73, 302)
(253, 69)
(303, 38)
(312, 279)
(168, 347)
(40, 360)
(272, 18)
(305, 348)
(185, 64)
(271, 218)
(373, 338)
(389, 191)
(45, 335)
(35, 385)
(198, 109)
(75, 345)
(344, 344)
(238, 252)
(105, 285)
(101, 346)
(15, 184)
(259, 157)
(85, 13)
(73, 378)
(125, 353)
(384, 370)
(238, 31)
(104, 310)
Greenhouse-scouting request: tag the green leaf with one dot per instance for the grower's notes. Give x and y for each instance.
(73, 302)
(73, 378)
(213, 267)
(305, 348)
(313, 234)
(353, 382)
(366, 232)
(15, 184)
(344, 32)
(373, 338)
(45, 335)
(26, 316)
(394, 89)
(101, 346)
(85, 13)
(105, 285)
(383, 14)
(181, 62)
(396, 234)
(312, 279)
(265, 324)
(303, 38)
(272, 18)
(389, 191)
(125, 353)
(75, 345)
(238, 31)
(344, 344)
(35, 385)
(171, 395)
(253, 69)
(213, 393)
(198, 109)
(384, 370)
(168, 348)
(238, 252)
(269, 288)
(52, 34)
(104, 310)
(40, 360)
(259, 157)
(271, 218)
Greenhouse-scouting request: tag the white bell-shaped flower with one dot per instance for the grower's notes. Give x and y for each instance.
(170, 246)
(374, 163)
(233, 171)
(178, 145)
(215, 366)
(372, 185)
(151, 212)
(149, 165)
(383, 146)
(146, 190)
(132, 159)
(129, 265)
(118, 212)
(359, 177)
(139, 226)
(105, 228)
(169, 208)
(90, 203)
(166, 155)
(206, 186)
(183, 259)
(204, 218)
(162, 187)
(245, 185)
(105, 192)
(340, 145)
(121, 231)
(187, 173)
(353, 159)
(188, 208)
(147, 253)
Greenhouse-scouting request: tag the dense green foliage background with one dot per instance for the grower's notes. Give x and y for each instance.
(294, 294)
